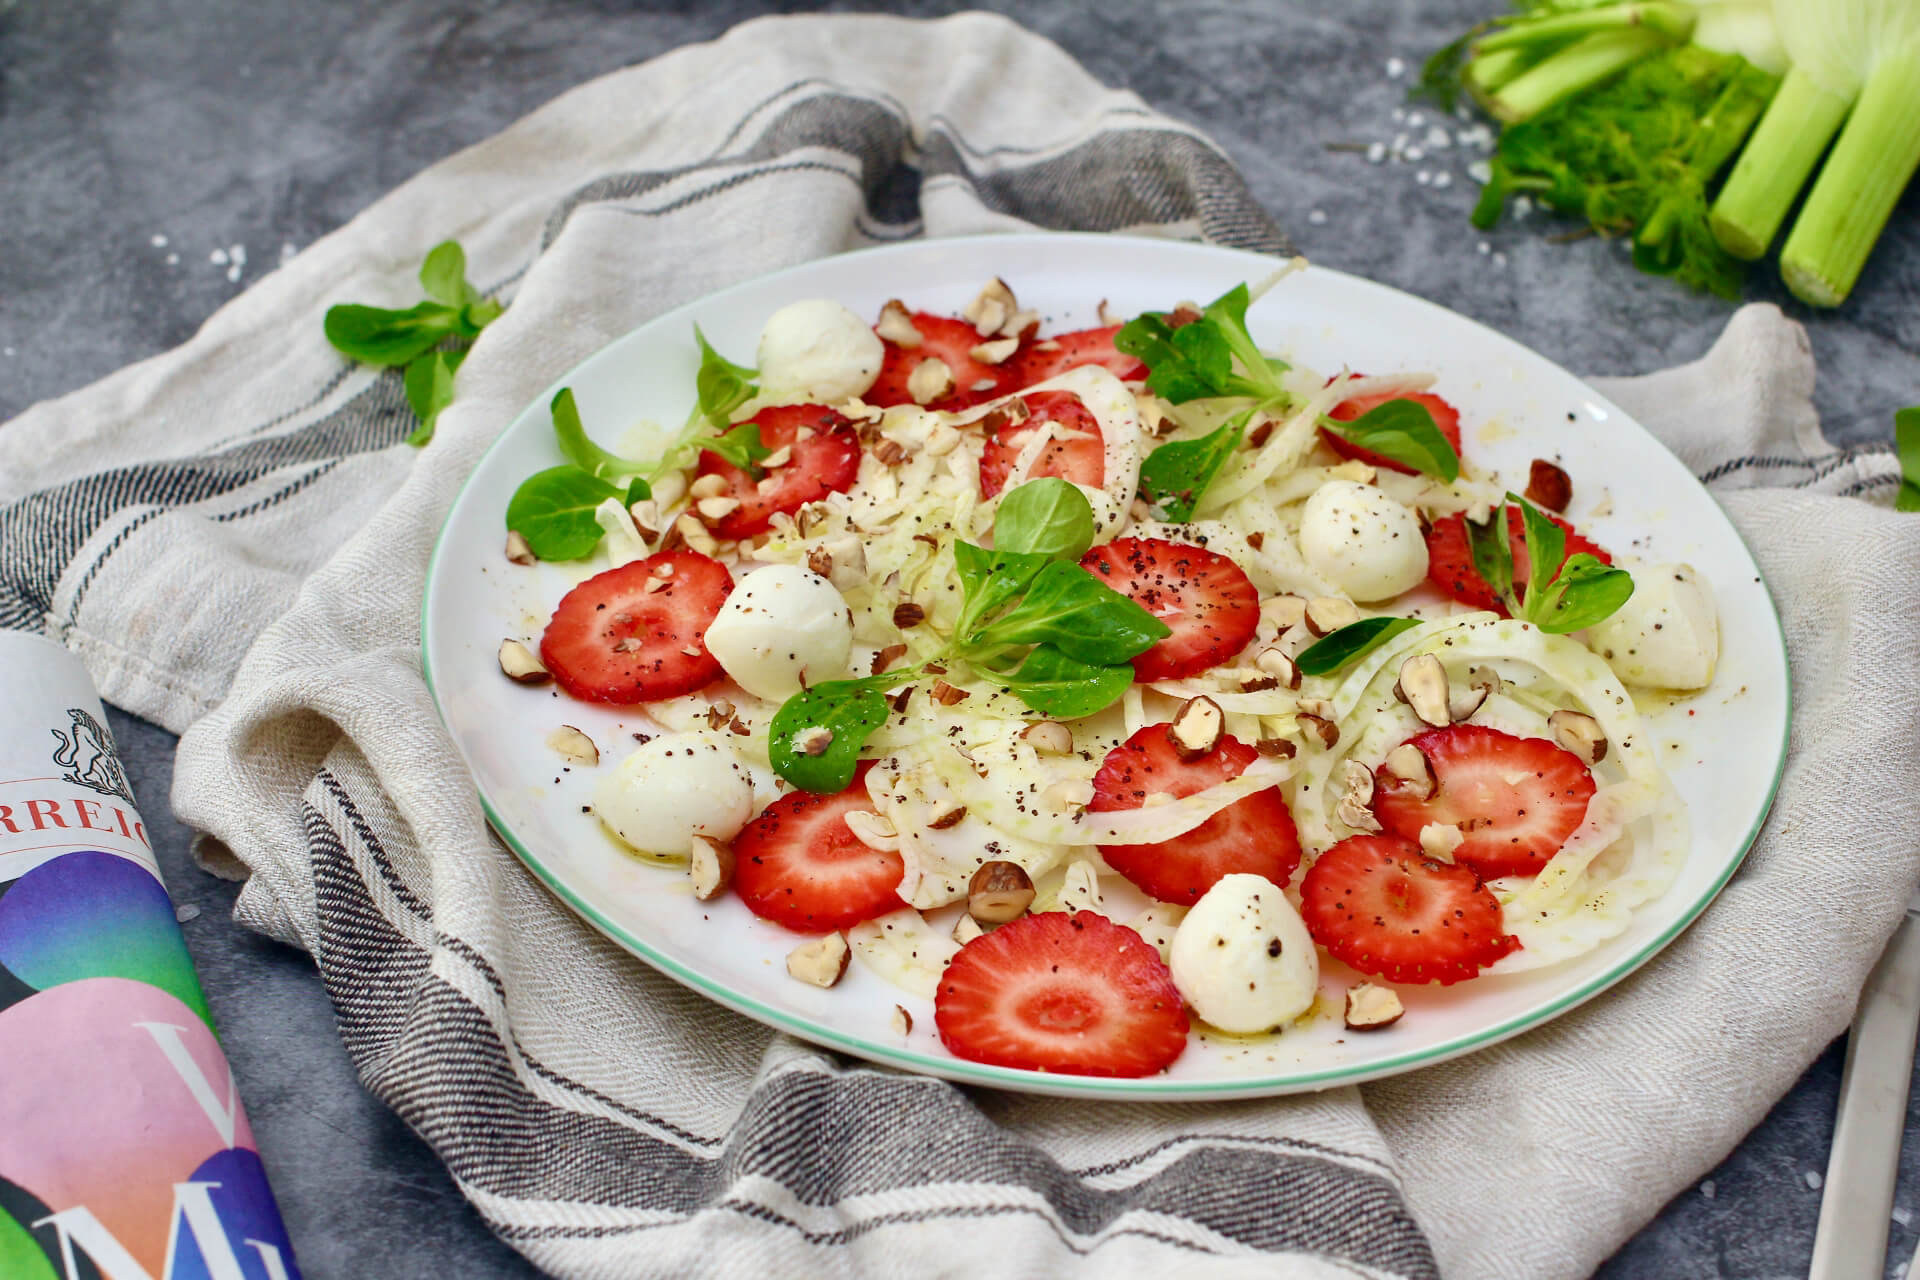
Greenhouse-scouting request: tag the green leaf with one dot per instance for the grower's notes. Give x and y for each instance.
(723, 386)
(478, 314)
(637, 489)
(1403, 430)
(1337, 648)
(553, 511)
(1906, 443)
(429, 384)
(989, 582)
(374, 335)
(1079, 615)
(1492, 557)
(1054, 684)
(1227, 314)
(1045, 517)
(1546, 544)
(444, 274)
(1175, 475)
(848, 709)
(581, 451)
(740, 446)
(1148, 339)
(1196, 360)
(1584, 592)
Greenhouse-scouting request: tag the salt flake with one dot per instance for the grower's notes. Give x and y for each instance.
(218, 257)
(186, 912)
(1443, 179)
(1813, 1180)
(1318, 217)
(1396, 68)
(158, 241)
(1707, 1188)
(1376, 152)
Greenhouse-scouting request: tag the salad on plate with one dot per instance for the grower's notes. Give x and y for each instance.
(1100, 688)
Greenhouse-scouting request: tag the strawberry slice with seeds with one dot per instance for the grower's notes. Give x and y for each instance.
(1082, 459)
(827, 461)
(1445, 417)
(1075, 993)
(1051, 357)
(638, 633)
(1204, 597)
(1450, 557)
(1381, 906)
(1254, 834)
(1515, 800)
(941, 338)
(800, 865)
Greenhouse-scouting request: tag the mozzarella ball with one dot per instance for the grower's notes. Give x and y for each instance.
(1667, 634)
(676, 787)
(817, 350)
(782, 625)
(1364, 543)
(1242, 957)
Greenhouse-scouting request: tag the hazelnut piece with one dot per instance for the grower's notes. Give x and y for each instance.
(999, 891)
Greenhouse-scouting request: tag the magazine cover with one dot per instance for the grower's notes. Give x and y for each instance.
(124, 1151)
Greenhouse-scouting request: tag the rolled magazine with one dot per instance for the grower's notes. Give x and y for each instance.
(124, 1151)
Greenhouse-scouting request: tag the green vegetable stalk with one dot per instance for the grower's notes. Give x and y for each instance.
(1798, 125)
(1871, 164)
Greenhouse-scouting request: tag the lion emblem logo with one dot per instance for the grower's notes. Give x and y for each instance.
(88, 756)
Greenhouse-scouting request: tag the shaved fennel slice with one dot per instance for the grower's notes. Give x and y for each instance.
(1114, 408)
(1626, 852)
(1634, 869)
(623, 542)
(903, 949)
(1053, 826)
(911, 788)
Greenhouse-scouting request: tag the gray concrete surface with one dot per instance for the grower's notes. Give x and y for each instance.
(216, 123)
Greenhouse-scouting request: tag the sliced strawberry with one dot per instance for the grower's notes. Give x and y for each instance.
(1445, 417)
(800, 865)
(827, 461)
(1254, 834)
(1203, 596)
(1081, 460)
(638, 633)
(1450, 558)
(1377, 903)
(941, 338)
(1057, 992)
(1516, 800)
(1051, 357)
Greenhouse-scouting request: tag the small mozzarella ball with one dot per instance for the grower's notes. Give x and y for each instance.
(1242, 957)
(1363, 542)
(818, 350)
(1667, 634)
(781, 626)
(676, 787)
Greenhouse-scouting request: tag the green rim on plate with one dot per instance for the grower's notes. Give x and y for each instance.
(1161, 1088)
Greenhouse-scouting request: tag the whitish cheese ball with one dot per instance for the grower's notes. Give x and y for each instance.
(1667, 634)
(676, 787)
(1242, 957)
(1363, 542)
(819, 351)
(782, 624)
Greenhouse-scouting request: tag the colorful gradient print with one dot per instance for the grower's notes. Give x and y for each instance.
(122, 1140)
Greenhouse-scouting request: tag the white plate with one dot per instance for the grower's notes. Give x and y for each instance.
(1724, 749)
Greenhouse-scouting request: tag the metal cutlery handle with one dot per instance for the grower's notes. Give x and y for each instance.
(1851, 1241)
